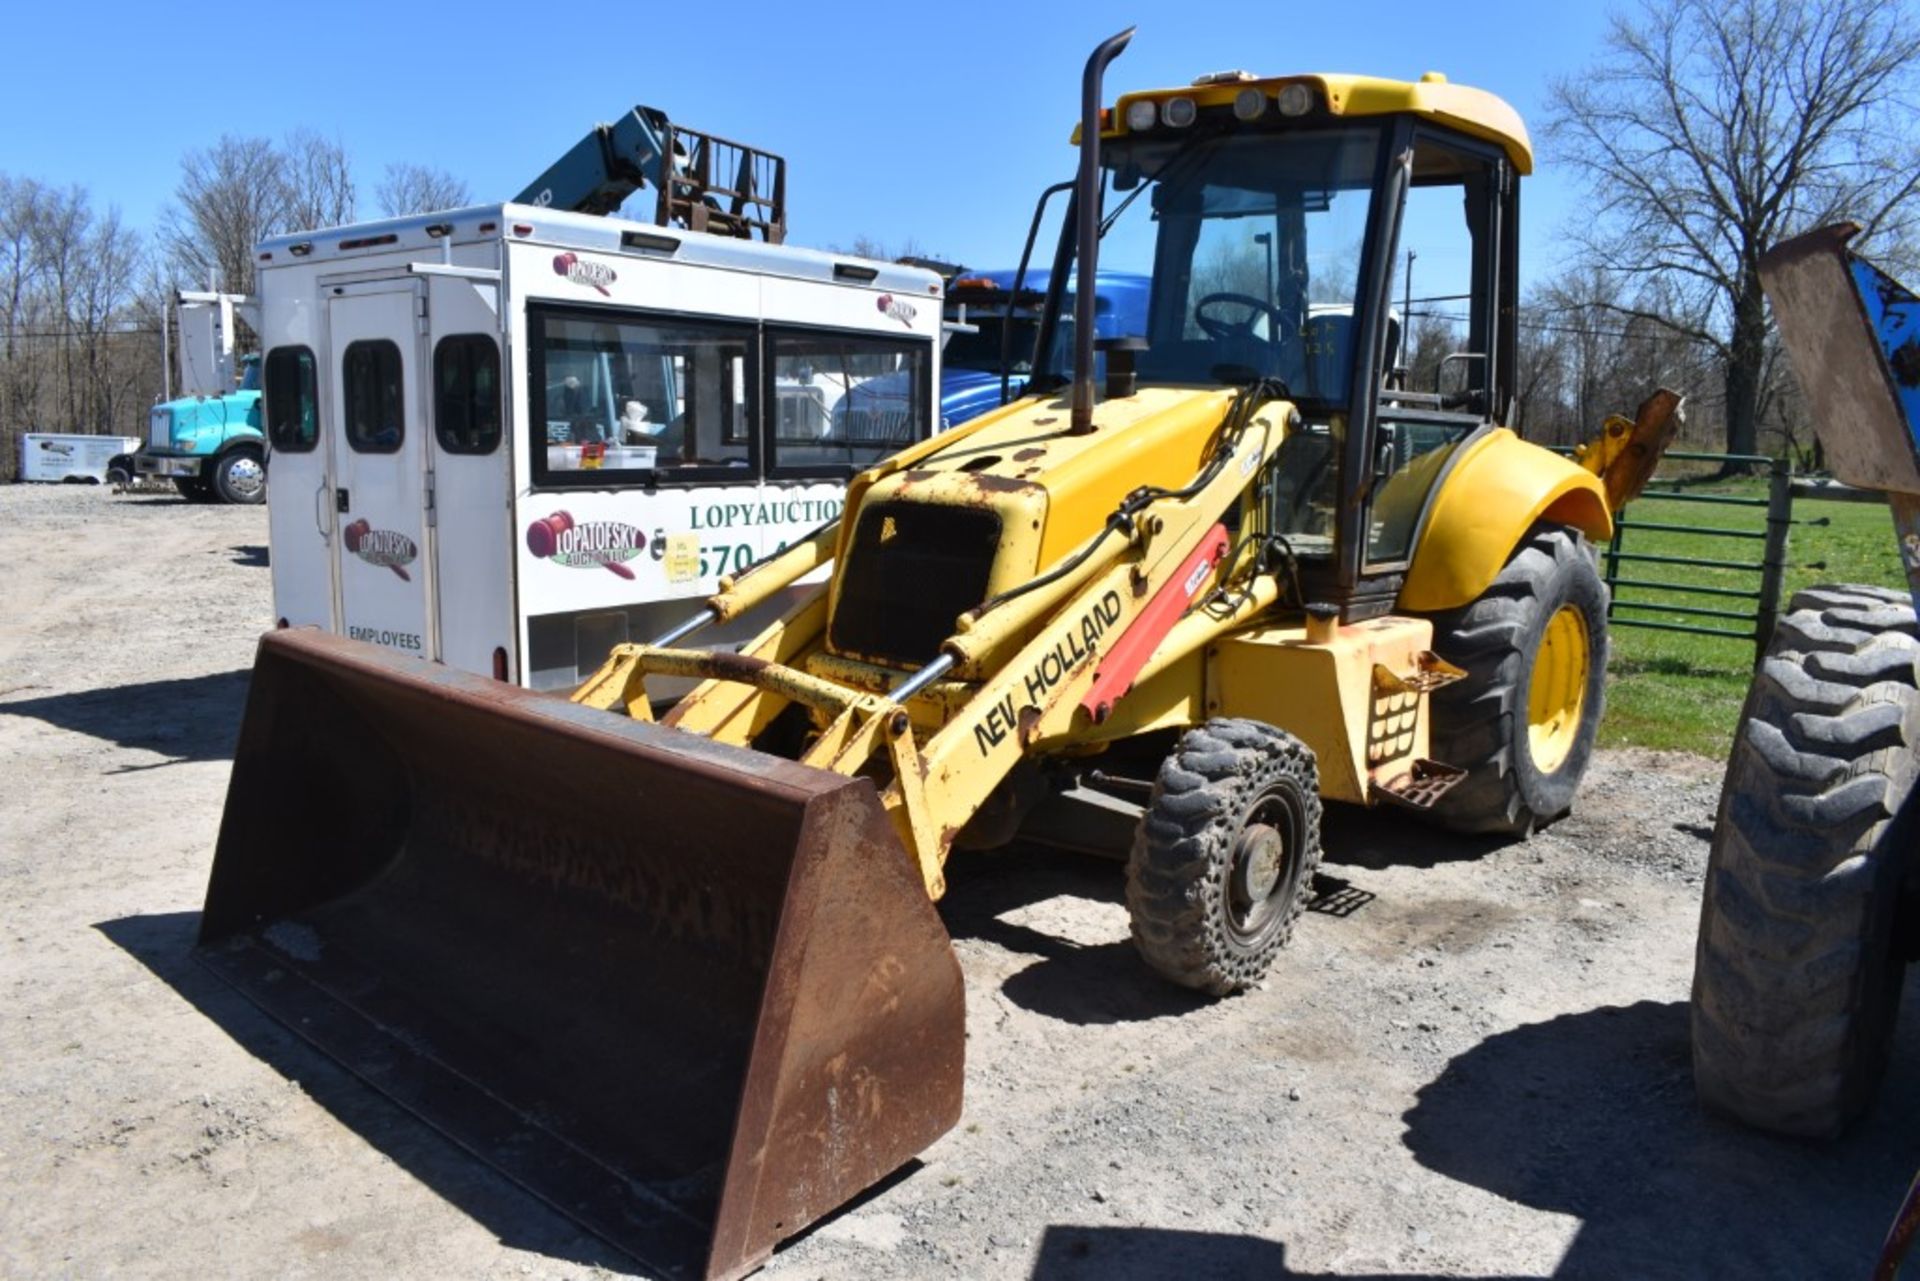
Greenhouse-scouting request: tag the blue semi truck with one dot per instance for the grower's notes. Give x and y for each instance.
(989, 348)
(1005, 325)
(209, 443)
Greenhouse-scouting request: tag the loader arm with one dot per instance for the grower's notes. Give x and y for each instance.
(1853, 335)
(1092, 624)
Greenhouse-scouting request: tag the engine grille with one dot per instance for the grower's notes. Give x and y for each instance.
(912, 570)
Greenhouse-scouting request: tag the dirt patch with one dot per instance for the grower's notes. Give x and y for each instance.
(1471, 1062)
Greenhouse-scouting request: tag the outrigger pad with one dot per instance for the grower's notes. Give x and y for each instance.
(693, 996)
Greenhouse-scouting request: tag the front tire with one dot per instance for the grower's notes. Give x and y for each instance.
(1797, 972)
(240, 477)
(1223, 861)
(1522, 723)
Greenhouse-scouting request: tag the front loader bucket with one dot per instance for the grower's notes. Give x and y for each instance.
(693, 996)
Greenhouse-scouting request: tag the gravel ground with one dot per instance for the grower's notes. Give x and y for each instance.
(1472, 1061)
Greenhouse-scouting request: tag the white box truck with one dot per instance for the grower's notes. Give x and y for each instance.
(510, 437)
(58, 456)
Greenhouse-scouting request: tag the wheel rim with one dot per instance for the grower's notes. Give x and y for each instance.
(246, 477)
(1260, 883)
(1557, 693)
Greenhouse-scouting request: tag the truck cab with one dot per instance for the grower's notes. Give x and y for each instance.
(209, 441)
(1001, 309)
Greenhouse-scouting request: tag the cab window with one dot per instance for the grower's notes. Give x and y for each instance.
(838, 403)
(292, 403)
(466, 394)
(372, 397)
(636, 400)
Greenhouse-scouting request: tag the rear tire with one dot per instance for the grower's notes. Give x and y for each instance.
(240, 478)
(1223, 861)
(1797, 971)
(1523, 722)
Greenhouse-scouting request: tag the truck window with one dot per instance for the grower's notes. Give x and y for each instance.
(841, 402)
(372, 396)
(293, 411)
(466, 394)
(624, 399)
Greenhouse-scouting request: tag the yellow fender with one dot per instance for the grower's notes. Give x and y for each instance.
(1497, 491)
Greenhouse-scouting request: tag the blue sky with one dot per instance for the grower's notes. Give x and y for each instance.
(935, 123)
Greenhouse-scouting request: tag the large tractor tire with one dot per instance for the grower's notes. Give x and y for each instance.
(1522, 723)
(1798, 968)
(1223, 861)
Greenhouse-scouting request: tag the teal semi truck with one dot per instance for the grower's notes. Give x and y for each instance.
(209, 442)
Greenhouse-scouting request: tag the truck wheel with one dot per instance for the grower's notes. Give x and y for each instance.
(1522, 723)
(1223, 861)
(120, 472)
(194, 489)
(1797, 974)
(239, 477)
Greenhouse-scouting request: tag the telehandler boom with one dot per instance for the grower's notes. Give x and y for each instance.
(679, 968)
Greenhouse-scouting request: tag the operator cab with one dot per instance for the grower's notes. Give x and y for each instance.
(1348, 239)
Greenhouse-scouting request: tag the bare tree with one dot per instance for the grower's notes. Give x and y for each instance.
(1709, 130)
(98, 310)
(230, 197)
(415, 189)
(72, 357)
(19, 269)
(319, 182)
(865, 246)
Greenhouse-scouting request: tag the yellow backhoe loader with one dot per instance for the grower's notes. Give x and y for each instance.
(679, 969)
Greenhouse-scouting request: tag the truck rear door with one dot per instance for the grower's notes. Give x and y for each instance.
(471, 474)
(300, 514)
(382, 442)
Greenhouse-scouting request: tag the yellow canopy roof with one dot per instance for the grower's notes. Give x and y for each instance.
(1472, 111)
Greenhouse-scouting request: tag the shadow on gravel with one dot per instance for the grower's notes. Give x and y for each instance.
(196, 719)
(1381, 838)
(163, 943)
(1593, 1115)
(1074, 982)
(250, 555)
(1069, 1252)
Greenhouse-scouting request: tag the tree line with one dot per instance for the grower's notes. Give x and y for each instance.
(82, 292)
(1706, 131)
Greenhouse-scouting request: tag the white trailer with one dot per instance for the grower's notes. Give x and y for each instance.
(508, 438)
(57, 456)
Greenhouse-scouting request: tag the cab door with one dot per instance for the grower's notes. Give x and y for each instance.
(299, 501)
(470, 473)
(381, 444)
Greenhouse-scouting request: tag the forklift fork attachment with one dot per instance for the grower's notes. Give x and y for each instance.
(693, 996)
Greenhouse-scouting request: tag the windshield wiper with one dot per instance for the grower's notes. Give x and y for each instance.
(1186, 150)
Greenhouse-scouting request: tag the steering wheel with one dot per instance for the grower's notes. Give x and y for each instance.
(1220, 327)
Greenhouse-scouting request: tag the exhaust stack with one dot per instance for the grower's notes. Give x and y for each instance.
(1087, 231)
